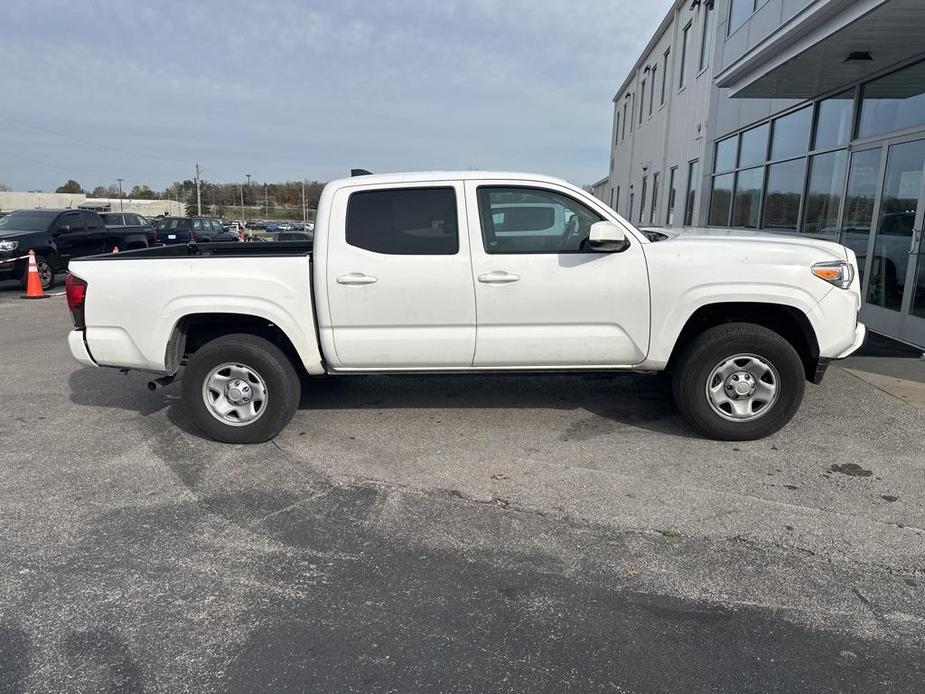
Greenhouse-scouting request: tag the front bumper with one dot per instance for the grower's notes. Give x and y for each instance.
(860, 334)
(75, 340)
(11, 270)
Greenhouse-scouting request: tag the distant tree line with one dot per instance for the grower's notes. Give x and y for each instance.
(214, 196)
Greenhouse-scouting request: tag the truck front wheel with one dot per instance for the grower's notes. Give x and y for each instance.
(240, 389)
(739, 382)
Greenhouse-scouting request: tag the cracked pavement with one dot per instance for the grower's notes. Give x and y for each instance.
(503, 533)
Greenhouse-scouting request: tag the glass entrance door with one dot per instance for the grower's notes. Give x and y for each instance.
(893, 279)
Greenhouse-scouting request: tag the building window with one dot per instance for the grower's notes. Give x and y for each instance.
(893, 102)
(863, 178)
(623, 131)
(706, 38)
(693, 174)
(753, 147)
(783, 194)
(672, 194)
(791, 134)
(611, 198)
(824, 193)
(642, 200)
(629, 212)
(632, 111)
(652, 92)
(740, 11)
(726, 153)
(616, 202)
(616, 138)
(642, 100)
(746, 201)
(665, 63)
(721, 200)
(833, 121)
(682, 67)
(654, 206)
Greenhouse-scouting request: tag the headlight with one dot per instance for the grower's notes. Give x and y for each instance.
(9, 245)
(838, 272)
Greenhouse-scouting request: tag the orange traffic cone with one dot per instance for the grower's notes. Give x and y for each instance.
(33, 282)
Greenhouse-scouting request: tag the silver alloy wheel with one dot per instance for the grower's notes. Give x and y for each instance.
(45, 273)
(235, 394)
(743, 388)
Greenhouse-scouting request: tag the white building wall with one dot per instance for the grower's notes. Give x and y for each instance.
(30, 201)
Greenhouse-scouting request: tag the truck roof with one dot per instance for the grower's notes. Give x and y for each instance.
(438, 176)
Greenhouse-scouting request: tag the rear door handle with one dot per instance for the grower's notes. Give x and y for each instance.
(498, 277)
(356, 278)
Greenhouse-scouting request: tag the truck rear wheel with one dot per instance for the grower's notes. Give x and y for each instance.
(739, 382)
(240, 389)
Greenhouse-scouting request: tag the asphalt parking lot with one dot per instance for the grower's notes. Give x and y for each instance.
(480, 534)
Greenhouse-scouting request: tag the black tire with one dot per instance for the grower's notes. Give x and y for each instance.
(46, 273)
(708, 350)
(283, 388)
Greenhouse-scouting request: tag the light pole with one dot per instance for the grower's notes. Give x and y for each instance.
(304, 213)
(121, 206)
(242, 205)
(248, 190)
(266, 201)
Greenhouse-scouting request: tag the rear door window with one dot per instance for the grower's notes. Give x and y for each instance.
(404, 221)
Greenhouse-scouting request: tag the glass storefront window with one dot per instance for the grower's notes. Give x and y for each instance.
(893, 102)
(833, 120)
(721, 200)
(754, 147)
(726, 154)
(791, 134)
(747, 199)
(898, 205)
(863, 176)
(824, 192)
(783, 194)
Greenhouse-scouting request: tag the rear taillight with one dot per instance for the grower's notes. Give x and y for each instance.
(76, 290)
(154, 234)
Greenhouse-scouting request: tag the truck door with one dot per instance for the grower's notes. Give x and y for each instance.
(98, 238)
(543, 297)
(71, 236)
(398, 278)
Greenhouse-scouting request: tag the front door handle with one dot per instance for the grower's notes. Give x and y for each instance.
(356, 278)
(498, 277)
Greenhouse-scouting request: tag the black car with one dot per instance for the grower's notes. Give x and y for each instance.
(294, 236)
(56, 236)
(174, 230)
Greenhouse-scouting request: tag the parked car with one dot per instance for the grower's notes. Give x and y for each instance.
(57, 237)
(123, 219)
(411, 275)
(271, 228)
(293, 236)
(180, 230)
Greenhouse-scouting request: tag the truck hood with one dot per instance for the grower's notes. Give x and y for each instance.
(16, 233)
(745, 235)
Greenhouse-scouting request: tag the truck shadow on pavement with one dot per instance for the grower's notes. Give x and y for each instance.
(611, 401)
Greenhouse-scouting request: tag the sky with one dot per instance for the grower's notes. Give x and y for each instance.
(292, 90)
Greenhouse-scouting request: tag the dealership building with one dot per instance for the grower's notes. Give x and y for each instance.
(803, 117)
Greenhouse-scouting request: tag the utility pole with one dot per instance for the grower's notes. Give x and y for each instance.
(242, 194)
(266, 201)
(304, 213)
(242, 204)
(198, 196)
(121, 205)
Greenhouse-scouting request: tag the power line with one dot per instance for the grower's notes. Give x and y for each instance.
(90, 143)
(65, 169)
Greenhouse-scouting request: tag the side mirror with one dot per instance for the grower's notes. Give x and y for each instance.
(607, 237)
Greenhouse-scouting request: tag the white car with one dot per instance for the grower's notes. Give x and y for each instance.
(409, 274)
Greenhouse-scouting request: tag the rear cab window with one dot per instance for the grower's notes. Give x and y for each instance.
(404, 221)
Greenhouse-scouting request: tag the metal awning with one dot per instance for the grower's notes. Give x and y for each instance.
(808, 54)
(95, 205)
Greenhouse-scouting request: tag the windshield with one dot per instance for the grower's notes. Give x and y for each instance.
(27, 221)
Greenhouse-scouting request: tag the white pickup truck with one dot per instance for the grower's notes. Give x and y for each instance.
(473, 272)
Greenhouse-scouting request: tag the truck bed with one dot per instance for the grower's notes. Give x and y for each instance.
(230, 249)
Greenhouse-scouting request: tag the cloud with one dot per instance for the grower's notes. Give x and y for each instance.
(310, 89)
